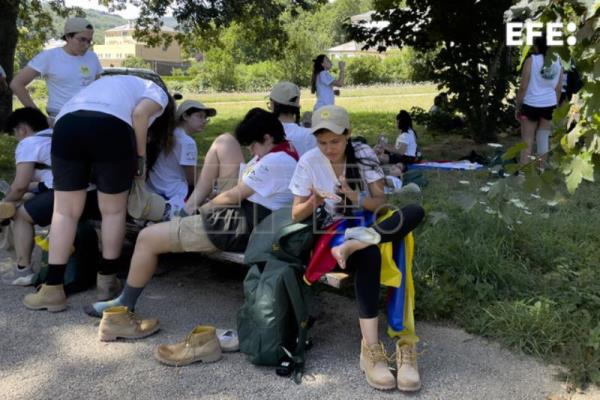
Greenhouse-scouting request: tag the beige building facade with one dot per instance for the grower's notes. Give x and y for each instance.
(119, 44)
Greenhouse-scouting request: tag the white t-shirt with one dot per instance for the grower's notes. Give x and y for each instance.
(270, 177)
(65, 74)
(2, 73)
(541, 90)
(410, 140)
(36, 149)
(167, 177)
(324, 90)
(301, 138)
(116, 95)
(315, 170)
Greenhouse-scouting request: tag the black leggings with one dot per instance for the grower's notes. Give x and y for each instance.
(366, 263)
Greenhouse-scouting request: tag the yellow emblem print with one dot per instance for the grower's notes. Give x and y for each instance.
(85, 70)
(325, 114)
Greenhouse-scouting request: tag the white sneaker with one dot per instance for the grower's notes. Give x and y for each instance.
(363, 234)
(228, 339)
(19, 277)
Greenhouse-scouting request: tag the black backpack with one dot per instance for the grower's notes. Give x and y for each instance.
(274, 320)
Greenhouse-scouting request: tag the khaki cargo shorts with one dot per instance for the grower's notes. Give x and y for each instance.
(187, 234)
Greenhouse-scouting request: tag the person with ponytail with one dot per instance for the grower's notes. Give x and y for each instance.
(537, 98)
(322, 82)
(336, 183)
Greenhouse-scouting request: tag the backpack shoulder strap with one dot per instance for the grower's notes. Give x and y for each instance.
(298, 300)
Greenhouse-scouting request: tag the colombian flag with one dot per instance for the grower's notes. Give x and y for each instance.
(396, 271)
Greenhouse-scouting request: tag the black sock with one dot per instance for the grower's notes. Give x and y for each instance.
(56, 274)
(21, 266)
(108, 267)
(129, 296)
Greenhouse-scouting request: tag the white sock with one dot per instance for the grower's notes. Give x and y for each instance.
(542, 140)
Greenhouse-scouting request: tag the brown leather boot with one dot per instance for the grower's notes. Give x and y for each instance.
(51, 298)
(407, 369)
(374, 363)
(200, 345)
(118, 322)
(107, 287)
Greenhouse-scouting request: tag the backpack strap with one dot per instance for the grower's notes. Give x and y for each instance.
(298, 300)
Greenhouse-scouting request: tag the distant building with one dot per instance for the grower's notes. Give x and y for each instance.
(355, 49)
(119, 43)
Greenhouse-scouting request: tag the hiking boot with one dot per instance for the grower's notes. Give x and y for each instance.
(51, 298)
(407, 369)
(7, 209)
(107, 287)
(200, 345)
(119, 322)
(18, 276)
(374, 363)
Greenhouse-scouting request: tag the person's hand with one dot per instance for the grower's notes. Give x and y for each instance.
(347, 191)
(316, 199)
(342, 65)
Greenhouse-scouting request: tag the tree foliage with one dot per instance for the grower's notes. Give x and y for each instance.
(471, 61)
(576, 124)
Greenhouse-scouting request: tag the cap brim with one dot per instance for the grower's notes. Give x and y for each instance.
(338, 130)
(210, 112)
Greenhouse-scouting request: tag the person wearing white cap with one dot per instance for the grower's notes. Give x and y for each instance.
(284, 101)
(65, 69)
(331, 181)
(172, 173)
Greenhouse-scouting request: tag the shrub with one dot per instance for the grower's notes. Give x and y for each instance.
(260, 76)
(364, 70)
(135, 62)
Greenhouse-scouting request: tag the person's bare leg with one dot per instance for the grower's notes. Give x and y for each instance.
(369, 330)
(68, 207)
(527, 135)
(546, 125)
(151, 242)
(23, 231)
(222, 160)
(113, 208)
(344, 250)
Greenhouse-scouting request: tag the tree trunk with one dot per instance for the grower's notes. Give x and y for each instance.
(8, 44)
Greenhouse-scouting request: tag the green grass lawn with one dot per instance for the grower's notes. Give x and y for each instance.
(533, 285)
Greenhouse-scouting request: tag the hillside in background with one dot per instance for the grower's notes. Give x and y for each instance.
(102, 21)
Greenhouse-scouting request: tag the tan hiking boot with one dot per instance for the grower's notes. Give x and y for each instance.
(107, 287)
(407, 369)
(374, 363)
(200, 345)
(51, 298)
(118, 322)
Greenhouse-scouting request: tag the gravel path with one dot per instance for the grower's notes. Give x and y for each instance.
(58, 356)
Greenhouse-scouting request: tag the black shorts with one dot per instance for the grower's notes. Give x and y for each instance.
(401, 158)
(537, 113)
(93, 147)
(40, 207)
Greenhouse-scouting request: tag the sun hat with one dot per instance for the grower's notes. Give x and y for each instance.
(286, 93)
(333, 118)
(188, 104)
(76, 25)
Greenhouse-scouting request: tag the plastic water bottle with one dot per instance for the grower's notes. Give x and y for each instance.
(4, 186)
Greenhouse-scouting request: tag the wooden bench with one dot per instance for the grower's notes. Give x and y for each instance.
(333, 279)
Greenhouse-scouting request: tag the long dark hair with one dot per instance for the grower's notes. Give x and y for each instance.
(160, 134)
(317, 68)
(404, 122)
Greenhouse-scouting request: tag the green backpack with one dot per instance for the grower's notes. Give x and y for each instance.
(80, 273)
(274, 320)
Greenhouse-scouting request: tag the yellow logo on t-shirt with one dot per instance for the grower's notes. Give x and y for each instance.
(85, 70)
